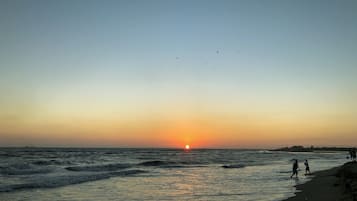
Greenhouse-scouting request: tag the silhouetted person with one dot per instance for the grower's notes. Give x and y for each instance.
(307, 167)
(295, 168)
(352, 152)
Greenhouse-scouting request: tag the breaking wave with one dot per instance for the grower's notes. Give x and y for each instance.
(95, 168)
(23, 169)
(51, 182)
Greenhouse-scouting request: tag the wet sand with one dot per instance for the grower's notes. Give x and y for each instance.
(336, 184)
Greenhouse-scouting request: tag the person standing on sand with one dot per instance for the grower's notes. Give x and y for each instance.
(295, 168)
(307, 167)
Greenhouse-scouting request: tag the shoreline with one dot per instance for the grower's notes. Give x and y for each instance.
(335, 184)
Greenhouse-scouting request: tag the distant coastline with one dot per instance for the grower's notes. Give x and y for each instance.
(311, 149)
(296, 148)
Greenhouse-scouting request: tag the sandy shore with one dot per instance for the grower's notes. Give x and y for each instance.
(337, 184)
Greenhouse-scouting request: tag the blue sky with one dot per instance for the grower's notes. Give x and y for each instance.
(136, 57)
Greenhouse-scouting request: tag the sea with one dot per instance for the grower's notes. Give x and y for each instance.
(154, 174)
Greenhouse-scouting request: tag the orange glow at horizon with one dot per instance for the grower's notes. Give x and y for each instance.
(175, 129)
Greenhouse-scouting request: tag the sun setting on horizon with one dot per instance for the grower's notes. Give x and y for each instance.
(187, 147)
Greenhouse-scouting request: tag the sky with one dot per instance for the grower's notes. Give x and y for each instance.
(213, 74)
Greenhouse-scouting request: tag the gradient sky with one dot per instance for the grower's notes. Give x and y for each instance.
(166, 73)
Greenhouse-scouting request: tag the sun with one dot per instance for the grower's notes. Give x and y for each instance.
(187, 147)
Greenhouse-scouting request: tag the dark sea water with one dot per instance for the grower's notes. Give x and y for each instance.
(153, 174)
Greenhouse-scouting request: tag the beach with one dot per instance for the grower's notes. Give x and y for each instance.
(336, 184)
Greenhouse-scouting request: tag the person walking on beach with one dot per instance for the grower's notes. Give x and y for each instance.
(295, 168)
(352, 154)
(307, 167)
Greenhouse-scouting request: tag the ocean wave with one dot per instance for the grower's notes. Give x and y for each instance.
(157, 163)
(51, 162)
(52, 182)
(24, 172)
(22, 169)
(170, 164)
(6, 155)
(95, 168)
(233, 166)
